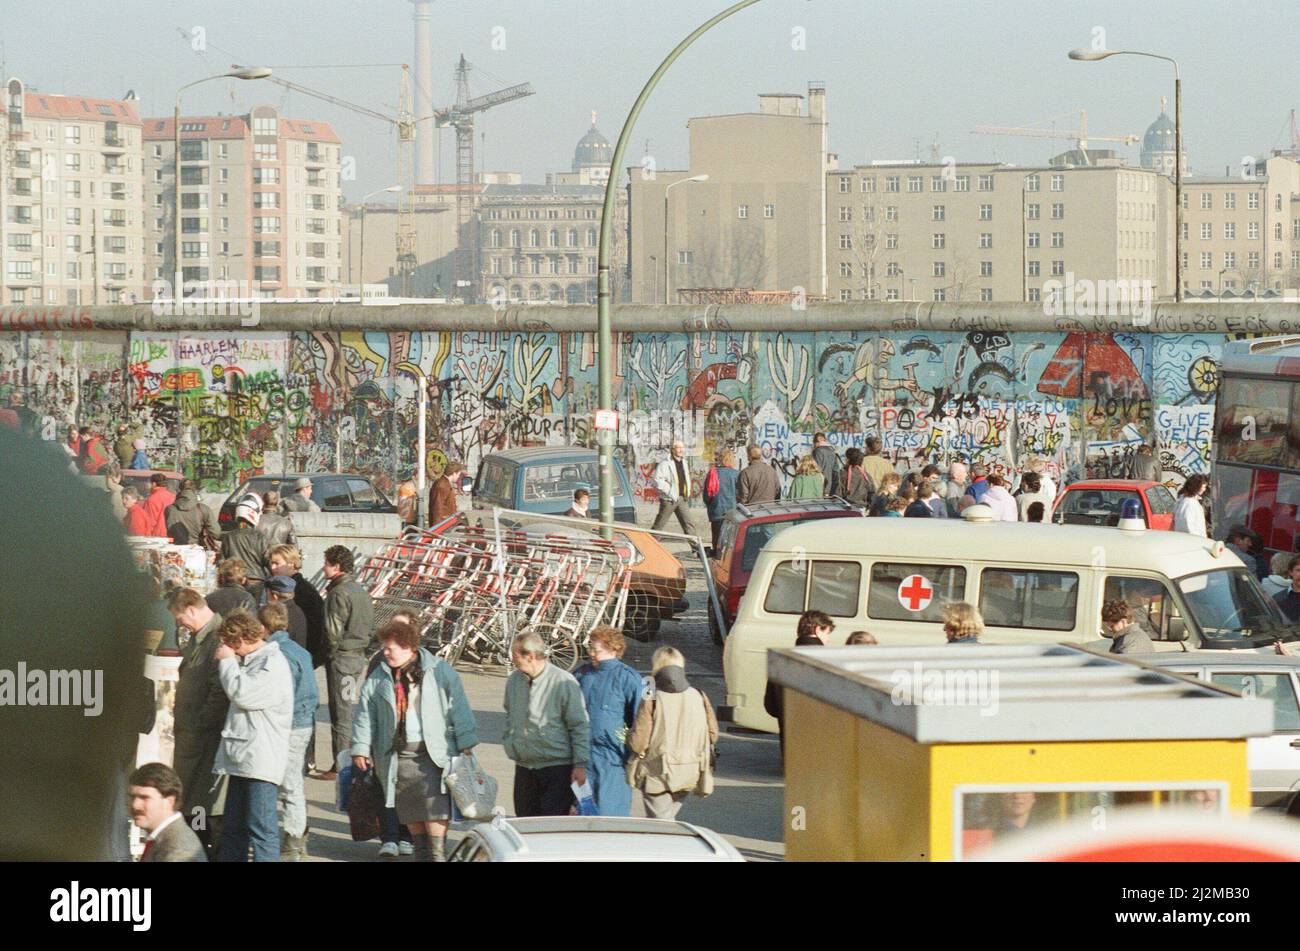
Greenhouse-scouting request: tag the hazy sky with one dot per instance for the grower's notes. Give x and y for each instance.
(898, 75)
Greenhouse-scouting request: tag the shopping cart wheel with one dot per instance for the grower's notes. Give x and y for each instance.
(641, 619)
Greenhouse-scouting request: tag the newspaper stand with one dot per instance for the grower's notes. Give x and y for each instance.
(936, 753)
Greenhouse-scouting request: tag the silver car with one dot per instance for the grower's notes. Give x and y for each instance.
(1274, 760)
(592, 839)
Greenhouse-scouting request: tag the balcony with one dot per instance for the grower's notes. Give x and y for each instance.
(315, 275)
(115, 220)
(316, 229)
(315, 156)
(22, 188)
(118, 194)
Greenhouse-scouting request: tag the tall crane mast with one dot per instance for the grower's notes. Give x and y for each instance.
(460, 116)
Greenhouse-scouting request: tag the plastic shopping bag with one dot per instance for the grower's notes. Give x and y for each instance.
(342, 786)
(472, 789)
(585, 799)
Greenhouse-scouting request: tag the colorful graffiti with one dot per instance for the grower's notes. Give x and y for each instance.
(224, 406)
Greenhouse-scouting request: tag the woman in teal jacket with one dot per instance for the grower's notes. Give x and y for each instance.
(612, 692)
(411, 718)
(809, 483)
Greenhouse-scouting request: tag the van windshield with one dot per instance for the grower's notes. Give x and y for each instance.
(1232, 610)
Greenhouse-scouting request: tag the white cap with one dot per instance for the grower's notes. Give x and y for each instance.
(248, 510)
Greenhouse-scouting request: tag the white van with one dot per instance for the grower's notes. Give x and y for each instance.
(1032, 583)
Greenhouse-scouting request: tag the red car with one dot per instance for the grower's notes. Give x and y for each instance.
(745, 531)
(1100, 502)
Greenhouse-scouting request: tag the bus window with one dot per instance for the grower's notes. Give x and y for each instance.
(1253, 421)
(1149, 600)
(908, 592)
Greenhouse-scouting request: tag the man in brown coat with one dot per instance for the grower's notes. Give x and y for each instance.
(442, 496)
(759, 482)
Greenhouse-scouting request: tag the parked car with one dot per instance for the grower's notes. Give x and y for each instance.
(657, 588)
(745, 530)
(142, 480)
(332, 491)
(592, 839)
(543, 479)
(1274, 760)
(1101, 501)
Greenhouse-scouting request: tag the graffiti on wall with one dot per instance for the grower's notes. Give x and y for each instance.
(225, 406)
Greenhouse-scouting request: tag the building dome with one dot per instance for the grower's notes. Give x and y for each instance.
(593, 150)
(1158, 142)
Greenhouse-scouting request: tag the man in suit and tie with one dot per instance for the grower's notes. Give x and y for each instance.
(155, 791)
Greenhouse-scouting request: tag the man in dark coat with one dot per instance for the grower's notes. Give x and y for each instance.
(200, 705)
(814, 630)
(349, 619)
(248, 544)
(759, 482)
(155, 792)
(187, 516)
(828, 461)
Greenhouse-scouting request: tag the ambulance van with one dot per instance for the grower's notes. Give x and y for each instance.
(1033, 583)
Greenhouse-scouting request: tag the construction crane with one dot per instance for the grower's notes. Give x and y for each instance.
(405, 122)
(1080, 138)
(460, 116)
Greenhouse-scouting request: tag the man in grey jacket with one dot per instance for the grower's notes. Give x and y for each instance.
(277, 528)
(828, 461)
(155, 792)
(254, 749)
(349, 619)
(759, 482)
(547, 731)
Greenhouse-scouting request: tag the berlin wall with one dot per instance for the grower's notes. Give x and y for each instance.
(312, 388)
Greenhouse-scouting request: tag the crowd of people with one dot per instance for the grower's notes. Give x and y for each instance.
(246, 701)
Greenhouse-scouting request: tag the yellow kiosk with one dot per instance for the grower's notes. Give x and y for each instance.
(935, 753)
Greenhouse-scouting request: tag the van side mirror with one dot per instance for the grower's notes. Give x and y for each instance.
(1177, 630)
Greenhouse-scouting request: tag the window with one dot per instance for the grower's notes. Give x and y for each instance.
(832, 586)
(266, 176)
(1032, 212)
(591, 237)
(1058, 239)
(157, 151)
(937, 213)
(986, 239)
(986, 269)
(194, 249)
(1229, 200)
(270, 275)
(1207, 230)
(914, 183)
(891, 183)
(1035, 268)
(936, 241)
(769, 211)
(869, 184)
(685, 257)
(961, 183)
(846, 269)
(742, 211)
(194, 225)
(891, 241)
(1229, 230)
(986, 294)
(845, 294)
(1033, 239)
(1031, 183)
(72, 189)
(573, 236)
(1252, 231)
(1058, 269)
(265, 152)
(1149, 599)
(1058, 211)
(898, 591)
(19, 270)
(846, 242)
(1034, 295)
(891, 212)
(223, 150)
(1252, 260)
(1252, 201)
(72, 216)
(892, 269)
(845, 184)
(1207, 201)
(891, 293)
(1229, 259)
(1058, 183)
(938, 269)
(985, 183)
(72, 135)
(846, 213)
(20, 242)
(1207, 259)
(940, 294)
(1038, 599)
(266, 225)
(1266, 685)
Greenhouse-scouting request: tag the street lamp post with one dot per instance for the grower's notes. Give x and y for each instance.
(604, 330)
(361, 280)
(1088, 56)
(252, 72)
(672, 185)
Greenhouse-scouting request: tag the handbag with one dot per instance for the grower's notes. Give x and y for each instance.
(472, 789)
(365, 800)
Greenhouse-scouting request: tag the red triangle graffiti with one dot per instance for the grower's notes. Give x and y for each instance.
(1084, 359)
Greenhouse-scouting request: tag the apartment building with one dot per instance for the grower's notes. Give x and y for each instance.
(990, 232)
(71, 230)
(756, 221)
(1241, 231)
(260, 202)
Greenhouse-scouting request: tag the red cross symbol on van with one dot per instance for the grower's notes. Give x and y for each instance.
(915, 593)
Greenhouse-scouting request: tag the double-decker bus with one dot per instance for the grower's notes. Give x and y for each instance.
(1256, 473)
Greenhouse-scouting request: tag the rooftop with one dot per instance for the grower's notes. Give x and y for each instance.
(40, 105)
